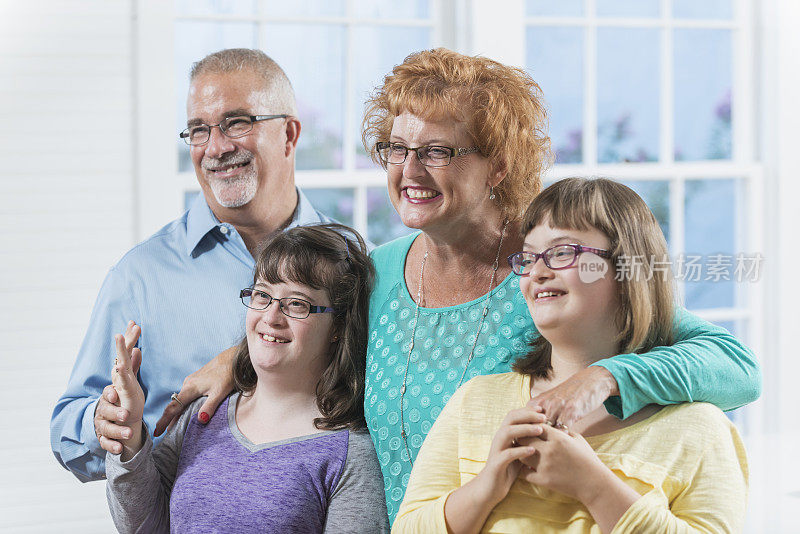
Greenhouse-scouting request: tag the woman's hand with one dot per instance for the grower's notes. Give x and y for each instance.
(214, 379)
(129, 391)
(467, 508)
(566, 463)
(502, 467)
(577, 396)
(111, 420)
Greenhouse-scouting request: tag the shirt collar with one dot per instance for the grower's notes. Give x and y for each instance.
(201, 220)
(305, 213)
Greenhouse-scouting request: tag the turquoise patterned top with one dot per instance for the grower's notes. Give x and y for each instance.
(706, 363)
(443, 342)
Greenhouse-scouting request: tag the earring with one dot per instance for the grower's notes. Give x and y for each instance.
(491, 193)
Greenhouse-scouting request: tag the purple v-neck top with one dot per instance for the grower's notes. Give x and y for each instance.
(323, 482)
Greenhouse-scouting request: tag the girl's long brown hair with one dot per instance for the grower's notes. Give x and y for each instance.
(334, 258)
(646, 294)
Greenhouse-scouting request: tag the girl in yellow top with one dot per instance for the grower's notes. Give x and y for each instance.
(492, 463)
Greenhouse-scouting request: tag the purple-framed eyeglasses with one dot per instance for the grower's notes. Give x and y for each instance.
(556, 258)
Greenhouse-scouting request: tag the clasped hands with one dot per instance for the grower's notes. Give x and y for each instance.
(534, 442)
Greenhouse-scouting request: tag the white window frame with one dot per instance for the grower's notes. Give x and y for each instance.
(750, 236)
(442, 24)
(471, 26)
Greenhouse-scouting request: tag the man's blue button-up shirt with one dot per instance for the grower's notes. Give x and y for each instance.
(182, 287)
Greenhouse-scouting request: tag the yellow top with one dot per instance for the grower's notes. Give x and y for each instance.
(687, 461)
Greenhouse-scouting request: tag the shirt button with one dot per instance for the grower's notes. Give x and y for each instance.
(223, 229)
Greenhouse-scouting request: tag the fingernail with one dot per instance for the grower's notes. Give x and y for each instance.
(203, 416)
(126, 434)
(121, 415)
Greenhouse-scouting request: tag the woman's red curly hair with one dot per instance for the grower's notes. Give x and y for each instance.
(501, 107)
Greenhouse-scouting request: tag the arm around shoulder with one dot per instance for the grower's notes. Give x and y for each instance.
(706, 363)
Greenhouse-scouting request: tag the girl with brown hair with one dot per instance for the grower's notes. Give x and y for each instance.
(493, 462)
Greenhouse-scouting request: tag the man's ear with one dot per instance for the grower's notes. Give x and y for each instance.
(292, 134)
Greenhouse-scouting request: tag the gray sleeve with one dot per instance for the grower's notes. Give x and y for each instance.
(358, 504)
(138, 490)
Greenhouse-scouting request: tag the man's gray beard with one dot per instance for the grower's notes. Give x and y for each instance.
(244, 189)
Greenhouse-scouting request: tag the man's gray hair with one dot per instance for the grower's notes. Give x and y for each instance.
(276, 83)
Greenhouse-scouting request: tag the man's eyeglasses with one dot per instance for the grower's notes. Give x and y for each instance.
(290, 306)
(238, 126)
(429, 155)
(557, 257)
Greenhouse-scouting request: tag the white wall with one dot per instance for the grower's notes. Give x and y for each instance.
(66, 184)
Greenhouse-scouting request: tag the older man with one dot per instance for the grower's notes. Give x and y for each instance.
(181, 284)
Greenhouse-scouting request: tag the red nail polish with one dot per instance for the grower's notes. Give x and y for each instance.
(203, 416)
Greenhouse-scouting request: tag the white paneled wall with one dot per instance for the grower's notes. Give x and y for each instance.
(66, 183)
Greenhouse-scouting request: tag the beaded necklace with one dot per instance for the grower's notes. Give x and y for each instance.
(414, 331)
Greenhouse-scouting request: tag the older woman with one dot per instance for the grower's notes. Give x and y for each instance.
(464, 145)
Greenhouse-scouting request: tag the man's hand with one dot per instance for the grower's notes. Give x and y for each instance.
(577, 396)
(109, 417)
(214, 379)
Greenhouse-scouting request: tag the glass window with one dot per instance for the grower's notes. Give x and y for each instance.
(413, 9)
(628, 92)
(628, 8)
(705, 9)
(215, 7)
(710, 243)
(703, 72)
(549, 8)
(316, 70)
(384, 223)
(333, 202)
(554, 58)
(304, 8)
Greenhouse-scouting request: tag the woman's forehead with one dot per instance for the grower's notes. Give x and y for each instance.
(412, 125)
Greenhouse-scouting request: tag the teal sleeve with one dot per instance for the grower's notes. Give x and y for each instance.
(706, 363)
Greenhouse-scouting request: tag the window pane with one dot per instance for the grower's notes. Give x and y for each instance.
(706, 9)
(710, 230)
(304, 8)
(388, 46)
(194, 41)
(215, 7)
(627, 8)
(384, 223)
(627, 94)
(549, 8)
(334, 202)
(656, 195)
(370, 9)
(316, 70)
(703, 72)
(554, 57)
